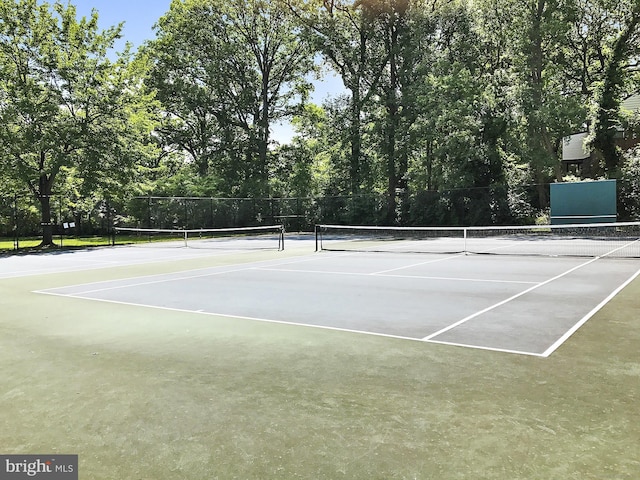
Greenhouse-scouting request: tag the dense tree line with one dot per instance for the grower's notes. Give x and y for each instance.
(439, 95)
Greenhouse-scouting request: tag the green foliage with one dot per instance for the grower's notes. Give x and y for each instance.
(455, 110)
(224, 72)
(68, 110)
(630, 185)
(619, 53)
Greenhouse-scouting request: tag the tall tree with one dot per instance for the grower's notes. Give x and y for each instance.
(390, 18)
(529, 51)
(349, 41)
(225, 71)
(459, 116)
(619, 56)
(65, 107)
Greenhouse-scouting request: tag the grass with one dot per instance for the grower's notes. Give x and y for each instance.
(151, 394)
(31, 243)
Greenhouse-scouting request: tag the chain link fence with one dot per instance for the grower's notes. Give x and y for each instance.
(90, 221)
(479, 206)
(75, 222)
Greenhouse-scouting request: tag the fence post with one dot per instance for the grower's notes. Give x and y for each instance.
(149, 211)
(60, 222)
(16, 235)
(111, 236)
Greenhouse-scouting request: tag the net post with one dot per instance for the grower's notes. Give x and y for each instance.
(464, 234)
(281, 239)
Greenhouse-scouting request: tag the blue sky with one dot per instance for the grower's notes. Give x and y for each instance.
(139, 16)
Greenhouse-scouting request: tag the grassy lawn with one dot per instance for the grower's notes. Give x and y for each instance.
(8, 244)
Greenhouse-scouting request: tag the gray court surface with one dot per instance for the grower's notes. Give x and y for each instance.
(525, 305)
(103, 257)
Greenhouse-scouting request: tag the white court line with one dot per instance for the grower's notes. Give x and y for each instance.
(621, 247)
(480, 347)
(100, 264)
(228, 315)
(377, 274)
(418, 264)
(584, 319)
(169, 277)
(138, 284)
(295, 324)
(503, 302)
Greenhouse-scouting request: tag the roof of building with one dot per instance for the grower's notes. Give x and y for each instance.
(574, 148)
(632, 103)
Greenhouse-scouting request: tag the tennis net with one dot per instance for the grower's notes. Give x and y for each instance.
(620, 240)
(261, 237)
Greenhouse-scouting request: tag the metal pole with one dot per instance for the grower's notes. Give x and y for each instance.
(16, 241)
(465, 241)
(282, 238)
(60, 225)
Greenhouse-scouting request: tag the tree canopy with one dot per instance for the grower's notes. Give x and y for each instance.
(67, 110)
(440, 96)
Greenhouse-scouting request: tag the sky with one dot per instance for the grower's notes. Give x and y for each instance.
(139, 16)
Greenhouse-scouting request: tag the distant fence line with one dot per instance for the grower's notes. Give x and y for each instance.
(20, 215)
(471, 206)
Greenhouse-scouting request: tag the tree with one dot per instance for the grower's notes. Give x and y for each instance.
(527, 47)
(348, 40)
(619, 56)
(66, 109)
(302, 167)
(224, 72)
(458, 115)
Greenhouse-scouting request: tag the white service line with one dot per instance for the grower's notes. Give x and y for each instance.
(101, 264)
(418, 264)
(503, 302)
(377, 274)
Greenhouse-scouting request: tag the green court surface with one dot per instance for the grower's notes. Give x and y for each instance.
(141, 392)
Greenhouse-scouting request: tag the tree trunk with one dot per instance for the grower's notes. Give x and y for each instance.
(392, 109)
(44, 198)
(356, 143)
(263, 142)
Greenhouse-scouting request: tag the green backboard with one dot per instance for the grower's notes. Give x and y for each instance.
(583, 202)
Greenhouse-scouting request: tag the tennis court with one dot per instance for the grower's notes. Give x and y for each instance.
(237, 359)
(519, 304)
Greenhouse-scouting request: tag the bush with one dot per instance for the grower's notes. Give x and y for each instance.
(629, 186)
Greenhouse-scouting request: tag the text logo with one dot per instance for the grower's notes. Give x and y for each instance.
(46, 467)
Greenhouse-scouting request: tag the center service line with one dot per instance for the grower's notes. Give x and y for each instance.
(503, 302)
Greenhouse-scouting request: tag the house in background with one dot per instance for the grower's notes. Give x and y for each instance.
(578, 160)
